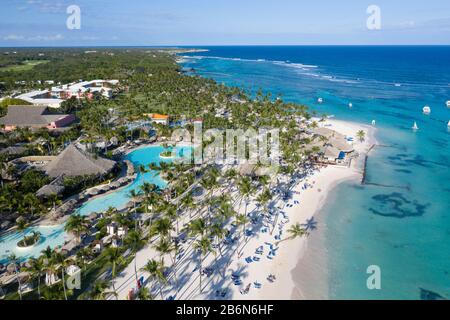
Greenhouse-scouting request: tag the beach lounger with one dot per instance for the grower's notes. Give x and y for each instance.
(248, 260)
(256, 259)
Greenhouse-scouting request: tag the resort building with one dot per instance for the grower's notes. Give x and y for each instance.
(158, 118)
(41, 97)
(334, 147)
(74, 162)
(35, 117)
(84, 89)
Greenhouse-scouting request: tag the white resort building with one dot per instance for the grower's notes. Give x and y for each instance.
(84, 89)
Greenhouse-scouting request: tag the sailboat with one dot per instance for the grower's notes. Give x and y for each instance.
(415, 127)
(426, 110)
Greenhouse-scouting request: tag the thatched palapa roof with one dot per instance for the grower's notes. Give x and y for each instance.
(74, 162)
(49, 190)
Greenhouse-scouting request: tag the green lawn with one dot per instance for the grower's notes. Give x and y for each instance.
(25, 66)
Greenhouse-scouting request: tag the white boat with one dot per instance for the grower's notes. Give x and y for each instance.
(320, 100)
(448, 104)
(374, 123)
(350, 105)
(426, 110)
(397, 85)
(415, 127)
(448, 124)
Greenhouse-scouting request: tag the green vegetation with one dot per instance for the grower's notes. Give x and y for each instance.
(24, 66)
(31, 240)
(150, 82)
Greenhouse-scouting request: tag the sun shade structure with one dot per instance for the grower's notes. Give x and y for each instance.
(74, 162)
(49, 190)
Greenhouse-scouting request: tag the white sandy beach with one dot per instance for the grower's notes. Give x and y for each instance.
(287, 256)
(310, 202)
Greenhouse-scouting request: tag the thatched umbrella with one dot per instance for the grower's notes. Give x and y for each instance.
(49, 190)
(5, 224)
(11, 268)
(106, 188)
(130, 205)
(93, 192)
(115, 184)
(93, 216)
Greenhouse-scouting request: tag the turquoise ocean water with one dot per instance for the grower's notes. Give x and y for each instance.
(404, 226)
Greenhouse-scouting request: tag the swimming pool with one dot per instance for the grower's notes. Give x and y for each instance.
(55, 235)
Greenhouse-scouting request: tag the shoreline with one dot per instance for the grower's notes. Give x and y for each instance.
(294, 258)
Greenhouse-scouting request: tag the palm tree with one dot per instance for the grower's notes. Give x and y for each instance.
(245, 188)
(241, 220)
(13, 259)
(76, 224)
(31, 201)
(218, 232)
(3, 167)
(98, 291)
(155, 270)
(36, 267)
(59, 258)
(144, 294)
(47, 253)
(164, 247)
(162, 227)
(204, 246)
(142, 169)
(133, 195)
(83, 255)
(171, 212)
(21, 225)
(295, 231)
(135, 241)
(114, 258)
(361, 135)
(188, 202)
(197, 227)
(264, 198)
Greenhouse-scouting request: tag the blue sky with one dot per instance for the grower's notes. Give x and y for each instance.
(223, 22)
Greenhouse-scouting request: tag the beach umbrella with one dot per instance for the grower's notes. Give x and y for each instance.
(93, 216)
(11, 268)
(93, 192)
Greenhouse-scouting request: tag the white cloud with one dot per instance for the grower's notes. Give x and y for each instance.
(56, 37)
(47, 6)
(13, 37)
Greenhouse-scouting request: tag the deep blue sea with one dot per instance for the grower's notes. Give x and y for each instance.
(403, 227)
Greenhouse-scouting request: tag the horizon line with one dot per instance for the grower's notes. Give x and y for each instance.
(226, 45)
